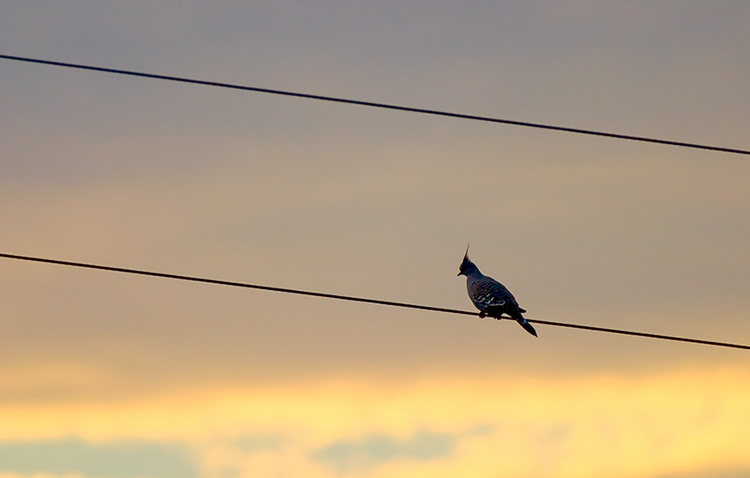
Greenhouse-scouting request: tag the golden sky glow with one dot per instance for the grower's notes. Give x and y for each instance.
(650, 426)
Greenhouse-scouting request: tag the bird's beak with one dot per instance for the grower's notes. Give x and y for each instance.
(459, 274)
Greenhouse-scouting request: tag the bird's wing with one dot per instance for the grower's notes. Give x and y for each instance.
(487, 292)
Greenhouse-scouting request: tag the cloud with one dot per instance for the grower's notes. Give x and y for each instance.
(713, 473)
(255, 443)
(349, 456)
(663, 425)
(124, 459)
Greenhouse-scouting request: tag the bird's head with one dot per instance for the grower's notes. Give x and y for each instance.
(467, 266)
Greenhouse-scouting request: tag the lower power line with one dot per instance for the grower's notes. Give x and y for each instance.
(358, 299)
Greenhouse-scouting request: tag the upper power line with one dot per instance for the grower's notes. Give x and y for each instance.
(381, 105)
(359, 299)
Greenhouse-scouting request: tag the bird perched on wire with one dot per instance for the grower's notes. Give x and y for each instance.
(491, 297)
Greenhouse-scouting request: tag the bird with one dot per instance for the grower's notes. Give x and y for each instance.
(491, 297)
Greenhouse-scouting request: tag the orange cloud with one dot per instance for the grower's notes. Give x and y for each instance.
(671, 423)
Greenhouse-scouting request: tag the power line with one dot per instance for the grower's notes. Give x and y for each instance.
(380, 105)
(358, 299)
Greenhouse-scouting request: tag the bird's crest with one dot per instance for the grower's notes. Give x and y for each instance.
(466, 265)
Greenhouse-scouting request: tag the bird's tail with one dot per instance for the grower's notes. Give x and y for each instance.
(527, 326)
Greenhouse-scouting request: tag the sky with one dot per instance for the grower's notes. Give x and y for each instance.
(106, 375)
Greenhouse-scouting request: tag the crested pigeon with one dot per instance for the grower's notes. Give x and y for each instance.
(491, 297)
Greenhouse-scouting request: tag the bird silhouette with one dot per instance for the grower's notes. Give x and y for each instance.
(491, 297)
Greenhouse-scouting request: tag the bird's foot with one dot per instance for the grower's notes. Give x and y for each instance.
(482, 315)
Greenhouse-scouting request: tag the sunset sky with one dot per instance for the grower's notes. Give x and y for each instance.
(107, 375)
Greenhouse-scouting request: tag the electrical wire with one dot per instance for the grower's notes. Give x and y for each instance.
(379, 105)
(359, 299)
